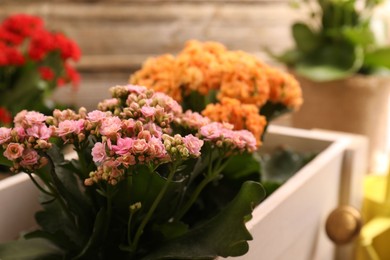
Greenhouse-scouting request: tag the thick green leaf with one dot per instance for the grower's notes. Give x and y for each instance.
(171, 230)
(143, 186)
(289, 57)
(358, 35)
(57, 225)
(29, 250)
(58, 238)
(322, 72)
(224, 235)
(305, 39)
(378, 58)
(98, 235)
(242, 166)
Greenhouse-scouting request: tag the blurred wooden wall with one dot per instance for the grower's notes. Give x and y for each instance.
(117, 35)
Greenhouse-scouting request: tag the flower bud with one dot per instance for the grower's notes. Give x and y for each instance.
(135, 207)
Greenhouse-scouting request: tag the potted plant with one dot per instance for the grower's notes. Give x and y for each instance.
(342, 63)
(146, 183)
(33, 60)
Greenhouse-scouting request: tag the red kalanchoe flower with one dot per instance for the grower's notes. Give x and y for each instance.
(68, 48)
(46, 73)
(23, 24)
(42, 42)
(18, 27)
(72, 75)
(10, 56)
(5, 116)
(9, 37)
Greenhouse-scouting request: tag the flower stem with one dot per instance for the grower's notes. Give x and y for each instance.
(152, 209)
(39, 186)
(53, 190)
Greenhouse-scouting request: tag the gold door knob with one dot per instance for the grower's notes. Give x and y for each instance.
(343, 225)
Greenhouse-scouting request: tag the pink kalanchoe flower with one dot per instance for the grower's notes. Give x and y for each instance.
(39, 131)
(123, 146)
(127, 160)
(108, 103)
(70, 127)
(19, 119)
(193, 120)
(157, 148)
(193, 144)
(140, 146)
(168, 103)
(5, 134)
(148, 111)
(20, 133)
(144, 134)
(112, 163)
(13, 151)
(99, 152)
(110, 126)
(96, 116)
(154, 129)
(34, 118)
(30, 157)
(245, 139)
(212, 131)
(136, 89)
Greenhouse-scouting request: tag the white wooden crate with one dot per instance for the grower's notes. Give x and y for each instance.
(287, 225)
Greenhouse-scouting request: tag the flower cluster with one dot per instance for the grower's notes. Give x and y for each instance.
(33, 59)
(243, 116)
(134, 127)
(25, 143)
(217, 74)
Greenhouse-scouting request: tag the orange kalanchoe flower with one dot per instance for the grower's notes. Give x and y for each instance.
(160, 74)
(284, 88)
(244, 79)
(202, 66)
(242, 116)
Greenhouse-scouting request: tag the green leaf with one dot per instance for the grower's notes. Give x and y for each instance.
(290, 57)
(58, 227)
(97, 236)
(378, 58)
(224, 235)
(305, 39)
(143, 186)
(322, 72)
(171, 230)
(358, 35)
(242, 166)
(332, 62)
(29, 250)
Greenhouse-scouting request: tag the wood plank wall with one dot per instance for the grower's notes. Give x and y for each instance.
(117, 35)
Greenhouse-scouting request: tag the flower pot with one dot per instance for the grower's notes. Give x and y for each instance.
(359, 104)
(289, 224)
